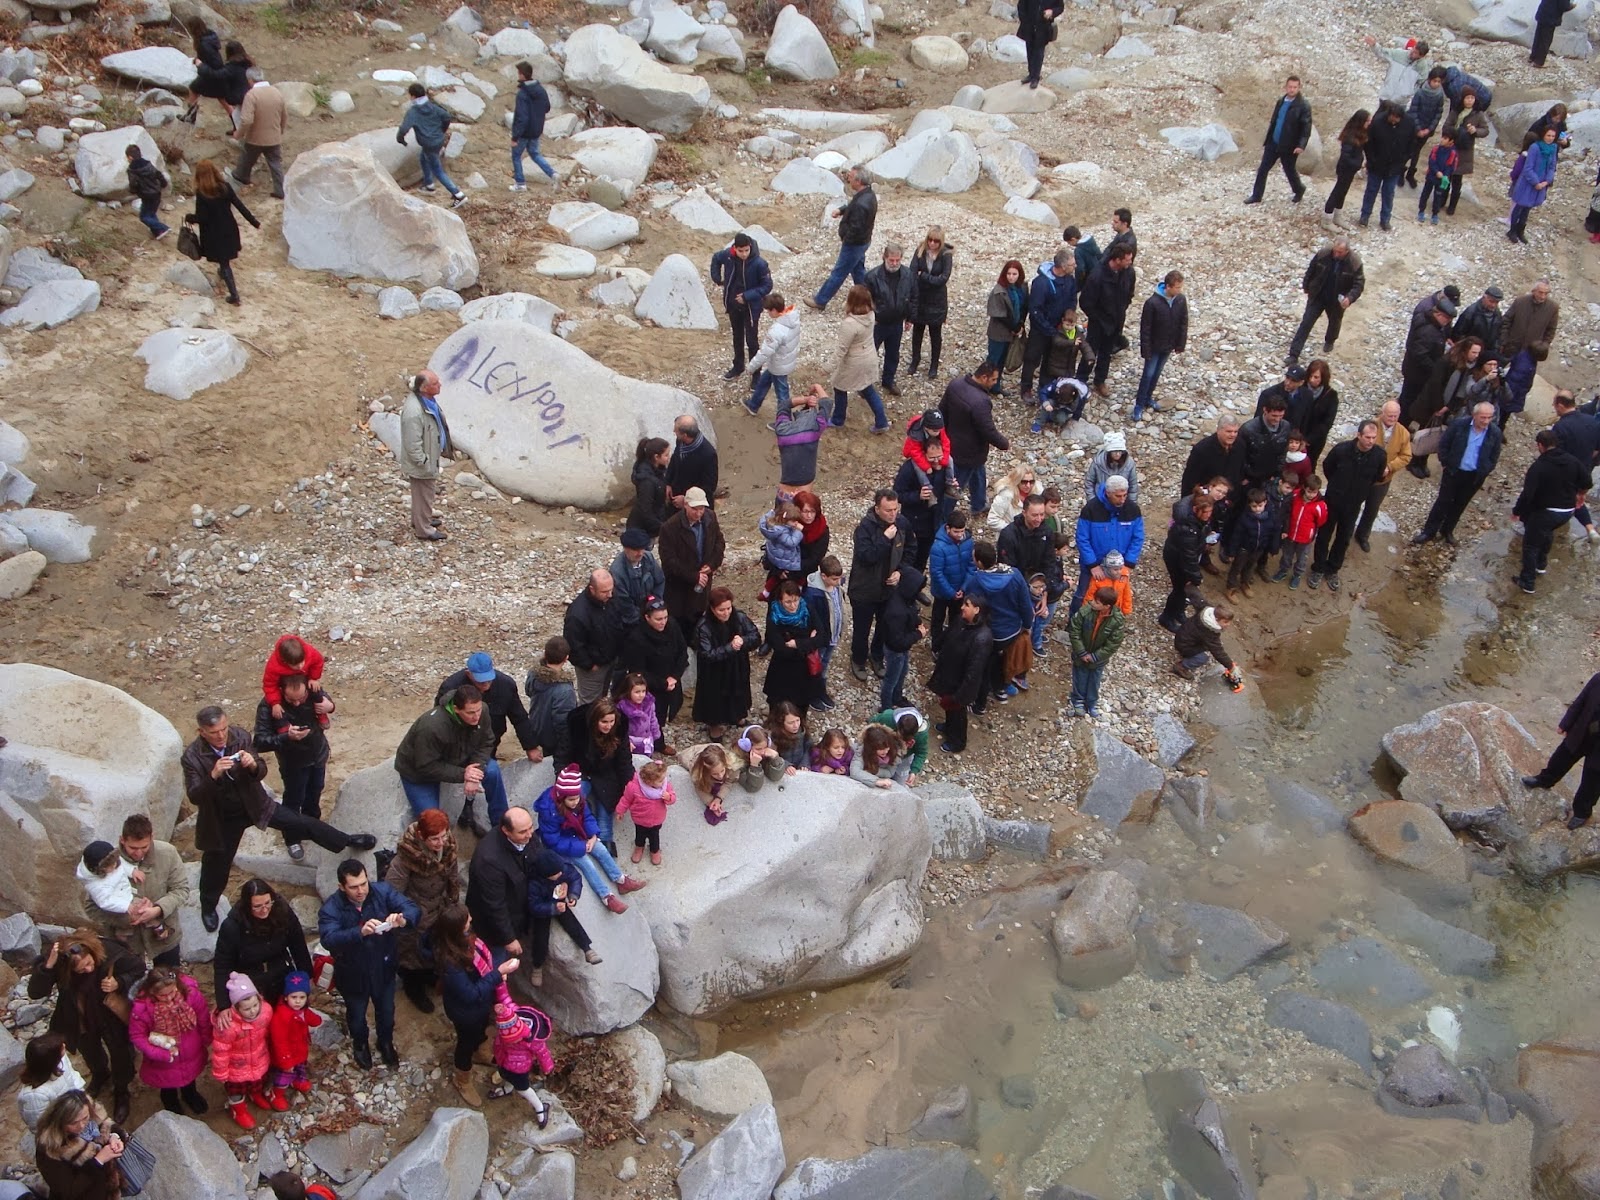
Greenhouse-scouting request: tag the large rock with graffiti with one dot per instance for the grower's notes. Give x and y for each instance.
(544, 420)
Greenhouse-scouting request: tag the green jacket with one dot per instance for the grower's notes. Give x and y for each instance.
(919, 753)
(1102, 642)
(439, 745)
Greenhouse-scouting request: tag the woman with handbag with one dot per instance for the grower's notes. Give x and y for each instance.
(77, 1150)
(214, 200)
(95, 980)
(1036, 26)
(1008, 313)
(796, 637)
(260, 938)
(424, 867)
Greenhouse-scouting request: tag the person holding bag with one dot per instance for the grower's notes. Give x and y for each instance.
(78, 1152)
(95, 979)
(214, 201)
(1036, 26)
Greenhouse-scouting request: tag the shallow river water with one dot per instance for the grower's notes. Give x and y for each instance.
(1056, 1074)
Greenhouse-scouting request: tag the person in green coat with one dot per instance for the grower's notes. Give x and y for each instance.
(1097, 630)
(911, 727)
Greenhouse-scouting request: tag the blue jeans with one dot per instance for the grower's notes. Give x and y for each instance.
(530, 147)
(605, 821)
(1148, 380)
(765, 382)
(1375, 183)
(841, 406)
(433, 169)
(886, 336)
(851, 262)
(423, 796)
(1040, 624)
(1086, 685)
(896, 666)
(596, 867)
(355, 1005)
(827, 657)
(975, 482)
(148, 207)
(1195, 661)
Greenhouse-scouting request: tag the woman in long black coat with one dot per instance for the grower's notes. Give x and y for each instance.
(650, 486)
(794, 633)
(602, 754)
(214, 200)
(655, 649)
(221, 73)
(724, 640)
(930, 302)
(1036, 28)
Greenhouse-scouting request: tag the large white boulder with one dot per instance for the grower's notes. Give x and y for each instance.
(81, 756)
(853, 18)
(699, 211)
(565, 262)
(802, 177)
(445, 1162)
(858, 146)
(1014, 96)
(1032, 210)
(722, 1087)
(513, 43)
(674, 35)
(185, 361)
(59, 536)
(828, 891)
(583, 998)
(1584, 128)
(931, 161)
(512, 306)
(545, 421)
(743, 1162)
(156, 66)
(1205, 142)
(612, 68)
(461, 102)
(52, 303)
(192, 1161)
(969, 121)
(937, 53)
(344, 213)
(616, 152)
(1013, 166)
(404, 163)
(592, 226)
(1512, 21)
(797, 50)
(101, 162)
(675, 298)
(719, 45)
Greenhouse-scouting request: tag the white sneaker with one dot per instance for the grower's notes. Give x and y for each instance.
(429, 187)
(519, 187)
(458, 200)
(1594, 534)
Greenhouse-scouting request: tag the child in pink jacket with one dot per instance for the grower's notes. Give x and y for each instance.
(646, 798)
(240, 1055)
(519, 1045)
(170, 1027)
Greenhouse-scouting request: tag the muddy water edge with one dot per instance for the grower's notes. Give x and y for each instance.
(1057, 1074)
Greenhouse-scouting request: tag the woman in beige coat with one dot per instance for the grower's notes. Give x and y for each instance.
(424, 440)
(855, 362)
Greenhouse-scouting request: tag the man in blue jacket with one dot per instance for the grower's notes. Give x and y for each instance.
(1108, 522)
(742, 274)
(356, 925)
(1468, 452)
(527, 126)
(1052, 296)
(432, 125)
(1011, 615)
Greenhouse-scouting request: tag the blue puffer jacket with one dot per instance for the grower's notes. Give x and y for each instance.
(1010, 602)
(949, 564)
(558, 837)
(1050, 299)
(1102, 529)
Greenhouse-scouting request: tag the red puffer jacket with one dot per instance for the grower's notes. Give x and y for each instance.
(289, 1036)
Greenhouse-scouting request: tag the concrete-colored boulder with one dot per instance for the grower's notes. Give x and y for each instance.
(59, 536)
(513, 43)
(888, 1173)
(444, 1162)
(1205, 142)
(158, 66)
(592, 226)
(643, 1052)
(299, 99)
(1560, 1074)
(101, 163)
(829, 892)
(556, 261)
(185, 361)
(797, 50)
(583, 998)
(512, 306)
(1412, 836)
(397, 303)
(1016, 97)
(937, 53)
(82, 756)
(1093, 933)
(955, 820)
(700, 212)
(52, 303)
(719, 45)
(722, 1087)
(20, 572)
(1036, 211)
(674, 35)
(857, 146)
(545, 421)
(404, 163)
(1012, 166)
(676, 297)
(343, 212)
(615, 152)
(931, 161)
(743, 1162)
(802, 177)
(613, 69)
(192, 1161)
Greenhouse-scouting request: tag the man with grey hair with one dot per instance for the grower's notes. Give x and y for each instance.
(1395, 439)
(424, 441)
(593, 628)
(693, 464)
(263, 117)
(857, 217)
(1351, 469)
(1468, 452)
(1217, 454)
(1525, 339)
(893, 287)
(1333, 282)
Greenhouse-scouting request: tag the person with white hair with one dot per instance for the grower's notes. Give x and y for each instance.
(424, 440)
(1109, 522)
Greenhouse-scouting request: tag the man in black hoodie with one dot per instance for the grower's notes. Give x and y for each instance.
(962, 671)
(146, 181)
(903, 627)
(1390, 139)
(1105, 301)
(857, 218)
(1550, 494)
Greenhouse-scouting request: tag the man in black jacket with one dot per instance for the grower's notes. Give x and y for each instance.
(1028, 545)
(497, 885)
(1105, 300)
(893, 288)
(1547, 19)
(1333, 281)
(1580, 742)
(1468, 453)
(1288, 130)
(1425, 346)
(502, 703)
(1351, 468)
(883, 540)
(856, 221)
(593, 629)
(961, 671)
(1217, 454)
(968, 413)
(694, 462)
(1266, 441)
(1576, 432)
(301, 745)
(1390, 140)
(746, 281)
(527, 126)
(1482, 319)
(1550, 494)
(1163, 332)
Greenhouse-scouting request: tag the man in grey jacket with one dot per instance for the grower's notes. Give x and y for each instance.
(424, 440)
(164, 889)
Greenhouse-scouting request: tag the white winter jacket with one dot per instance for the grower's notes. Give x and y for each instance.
(780, 349)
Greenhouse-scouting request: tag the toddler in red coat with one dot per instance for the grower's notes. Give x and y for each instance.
(240, 1056)
(290, 1034)
(292, 655)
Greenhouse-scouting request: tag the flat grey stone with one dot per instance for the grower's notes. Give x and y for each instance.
(918, 1173)
(1365, 970)
(1324, 1023)
(1453, 950)
(1123, 781)
(1030, 839)
(1227, 941)
(1172, 740)
(951, 1117)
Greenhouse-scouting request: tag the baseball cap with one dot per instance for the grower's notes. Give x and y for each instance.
(1298, 374)
(696, 498)
(480, 667)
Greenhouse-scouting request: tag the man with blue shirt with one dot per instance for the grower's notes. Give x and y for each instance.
(1287, 133)
(1469, 453)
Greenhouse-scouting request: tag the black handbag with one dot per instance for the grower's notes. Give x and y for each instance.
(135, 1166)
(188, 242)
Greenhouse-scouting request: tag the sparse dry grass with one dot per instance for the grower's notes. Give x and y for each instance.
(596, 1085)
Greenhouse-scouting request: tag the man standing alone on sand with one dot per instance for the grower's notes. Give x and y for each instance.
(1288, 130)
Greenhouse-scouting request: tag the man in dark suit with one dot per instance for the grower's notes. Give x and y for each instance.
(1288, 129)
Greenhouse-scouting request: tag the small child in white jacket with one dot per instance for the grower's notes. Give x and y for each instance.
(109, 879)
(779, 355)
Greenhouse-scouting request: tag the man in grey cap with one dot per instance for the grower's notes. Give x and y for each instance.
(1482, 319)
(501, 701)
(1424, 348)
(637, 576)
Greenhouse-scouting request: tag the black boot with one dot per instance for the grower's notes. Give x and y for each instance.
(120, 1106)
(196, 1102)
(169, 1101)
(417, 985)
(363, 1056)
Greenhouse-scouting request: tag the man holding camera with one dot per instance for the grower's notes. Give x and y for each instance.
(222, 778)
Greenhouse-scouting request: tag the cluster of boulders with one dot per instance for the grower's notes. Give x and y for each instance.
(31, 538)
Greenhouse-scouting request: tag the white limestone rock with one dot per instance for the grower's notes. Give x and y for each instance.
(512, 306)
(513, 43)
(52, 303)
(161, 66)
(803, 177)
(618, 153)
(565, 262)
(937, 53)
(185, 361)
(397, 303)
(1205, 142)
(797, 50)
(1032, 210)
(931, 162)
(1013, 166)
(674, 35)
(613, 69)
(438, 299)
(676, 297)
(101, 163)
(699, 211)
(592, 226)
(857, 147)
(1016, 97)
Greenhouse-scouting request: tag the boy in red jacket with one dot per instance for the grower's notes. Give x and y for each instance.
(1309, 514)
(289, 1035)
(292, 655)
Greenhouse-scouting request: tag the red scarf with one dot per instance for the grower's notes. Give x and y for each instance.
(815, 530)
(172, 1017)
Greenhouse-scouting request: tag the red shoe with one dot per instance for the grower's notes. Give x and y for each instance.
(615, 904)
(240, 1113)
(260, 1100)
(629, 884)
(278, 1101)
(302, 1085)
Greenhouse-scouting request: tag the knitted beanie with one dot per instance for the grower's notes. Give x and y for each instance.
(569, 782)
(240, 988)
(297, 981)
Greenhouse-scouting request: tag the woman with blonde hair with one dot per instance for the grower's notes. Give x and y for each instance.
(855, 362)
(77, 1150)
(214, 198)
(930, 302)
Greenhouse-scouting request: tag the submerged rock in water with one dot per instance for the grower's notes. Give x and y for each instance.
(1198, 1142)
(1227, 941)
(1561, 1076)
(1365, 970)
(1421, 1083)
(1324, 1023)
